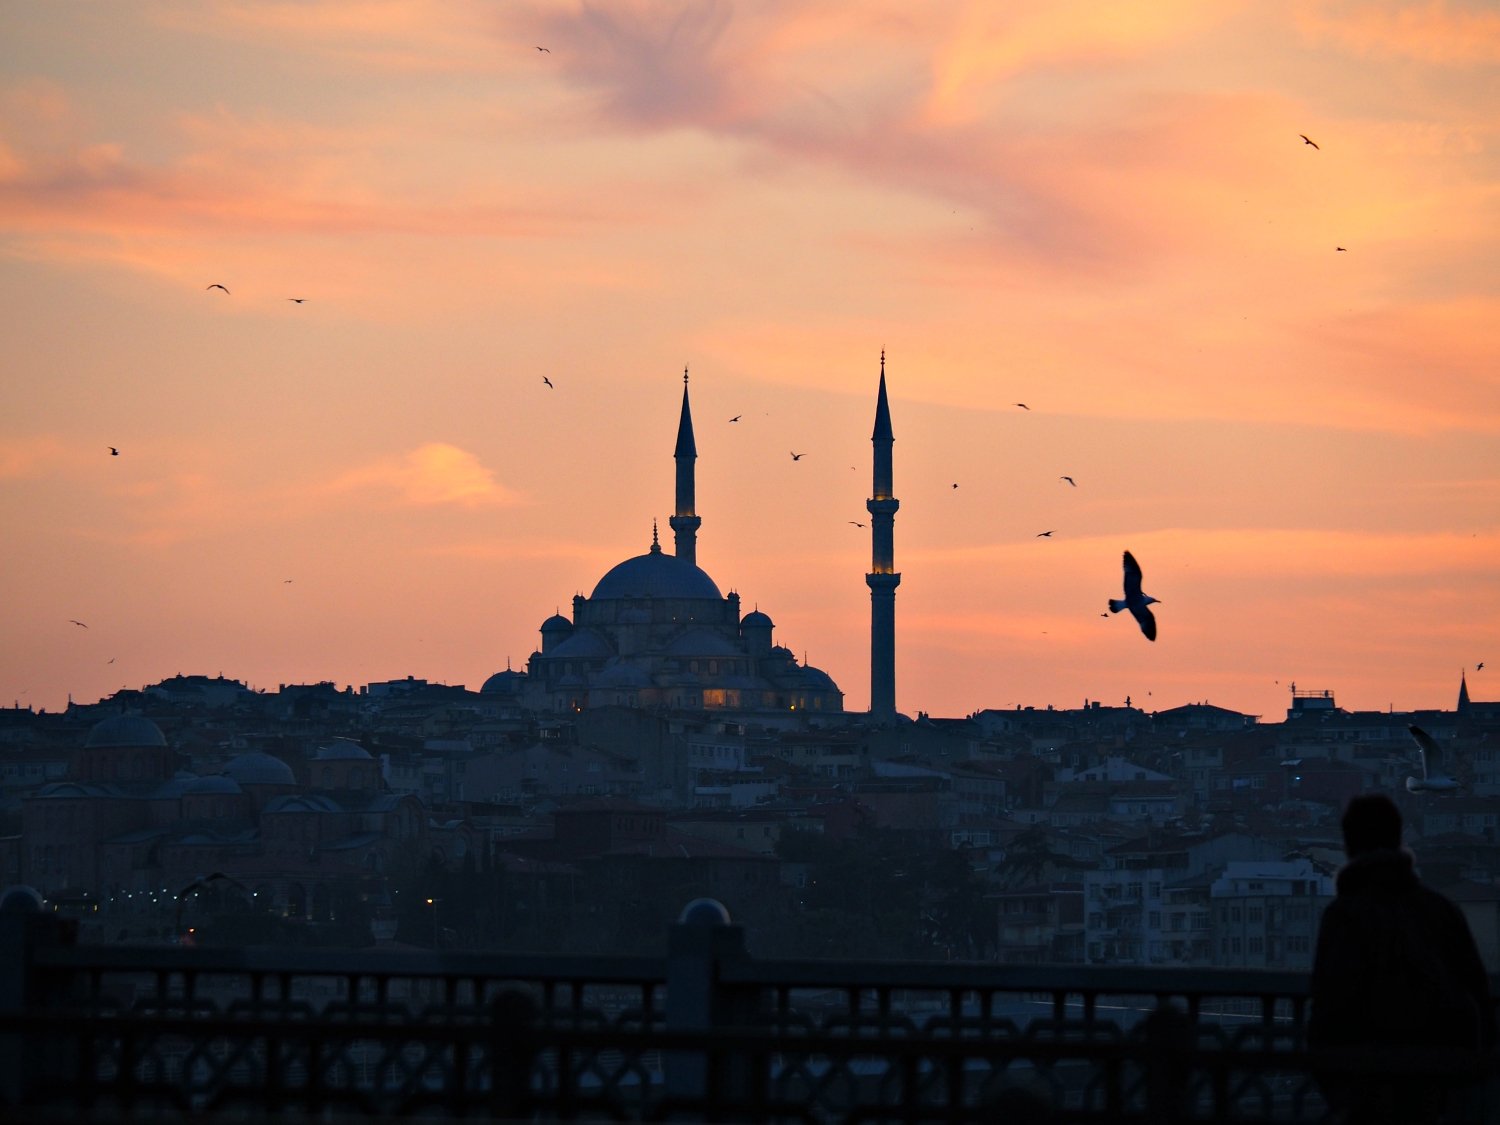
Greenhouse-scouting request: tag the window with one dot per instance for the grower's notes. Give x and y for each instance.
(1154, 920)
(1252, 914)
(1256, 945)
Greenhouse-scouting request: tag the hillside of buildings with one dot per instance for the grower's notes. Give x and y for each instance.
(198, 811)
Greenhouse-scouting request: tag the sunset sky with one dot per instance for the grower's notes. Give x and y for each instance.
(1103, 210)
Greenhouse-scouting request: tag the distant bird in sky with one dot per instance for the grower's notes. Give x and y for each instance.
(1134, 600)
(284, 581)
(1070, 480)
(1308, 140)
(1479, 667)
(955, 486)
(1341, 250)
(1434, 778)
(113, 452)
(545, 50)
(548, 382)
(1023, 406)
(1044, 534)
(75, 621)
(856, 523)
(216, 285)
(736, 418)
(798, 456)
(296, 300)
(111, 660)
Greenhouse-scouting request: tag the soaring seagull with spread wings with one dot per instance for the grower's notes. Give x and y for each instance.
(1308, 140)
(216, 285)
(1135, 601)
(1434, 779)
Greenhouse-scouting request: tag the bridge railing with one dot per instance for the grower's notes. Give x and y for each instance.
(705, 1032)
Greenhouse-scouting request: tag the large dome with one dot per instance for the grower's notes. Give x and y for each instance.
(255, 768)
(656, 575)
(125, 730)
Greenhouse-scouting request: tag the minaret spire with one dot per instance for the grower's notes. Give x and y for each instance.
(882, 578)
(685, 521)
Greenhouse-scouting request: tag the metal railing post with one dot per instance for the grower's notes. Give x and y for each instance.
(27, 1062)
(699, 944)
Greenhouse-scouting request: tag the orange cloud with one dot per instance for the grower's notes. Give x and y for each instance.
(434, 473)
(30, 456)
(1435, 32)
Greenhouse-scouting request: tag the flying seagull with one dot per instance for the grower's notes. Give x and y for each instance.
(736, 418)
(113, 452)
(1044, 534)
(284, 581)
(1134, 600)
(1479, 667)
(1022, 405)
(545, 50)
(75, 621)
(798, 456)
(856, 523)
(1341, 249)
(955, 486)
(1308, 140)
(548, 382)
(1070, 480)
(296, 300)
(216, 285)
(1434, 778)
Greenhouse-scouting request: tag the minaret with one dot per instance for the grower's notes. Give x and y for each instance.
(685, 521)
(882, 578)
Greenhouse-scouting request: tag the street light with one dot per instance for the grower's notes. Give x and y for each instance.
(432, 902)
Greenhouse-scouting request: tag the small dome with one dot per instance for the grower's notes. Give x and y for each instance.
(256, 768)
(656, 575)
(557, 623)
(503, 683)
(342, 750)
(755, 619)
(177, 786)
(125, 730)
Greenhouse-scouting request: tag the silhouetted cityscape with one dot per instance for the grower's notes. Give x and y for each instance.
(660, 747)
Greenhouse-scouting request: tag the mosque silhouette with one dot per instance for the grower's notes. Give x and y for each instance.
(657, 633)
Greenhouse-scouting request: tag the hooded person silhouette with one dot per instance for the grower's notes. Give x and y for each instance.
(1396, 966)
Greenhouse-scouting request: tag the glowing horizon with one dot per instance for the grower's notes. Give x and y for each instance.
(1105, 212)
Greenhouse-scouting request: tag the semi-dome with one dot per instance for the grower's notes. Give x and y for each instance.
(256, 768)
(584, 644)
(125, 730)
(656, 575)
(621, 675)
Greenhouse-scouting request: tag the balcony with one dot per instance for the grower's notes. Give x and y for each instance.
(706, 1032)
